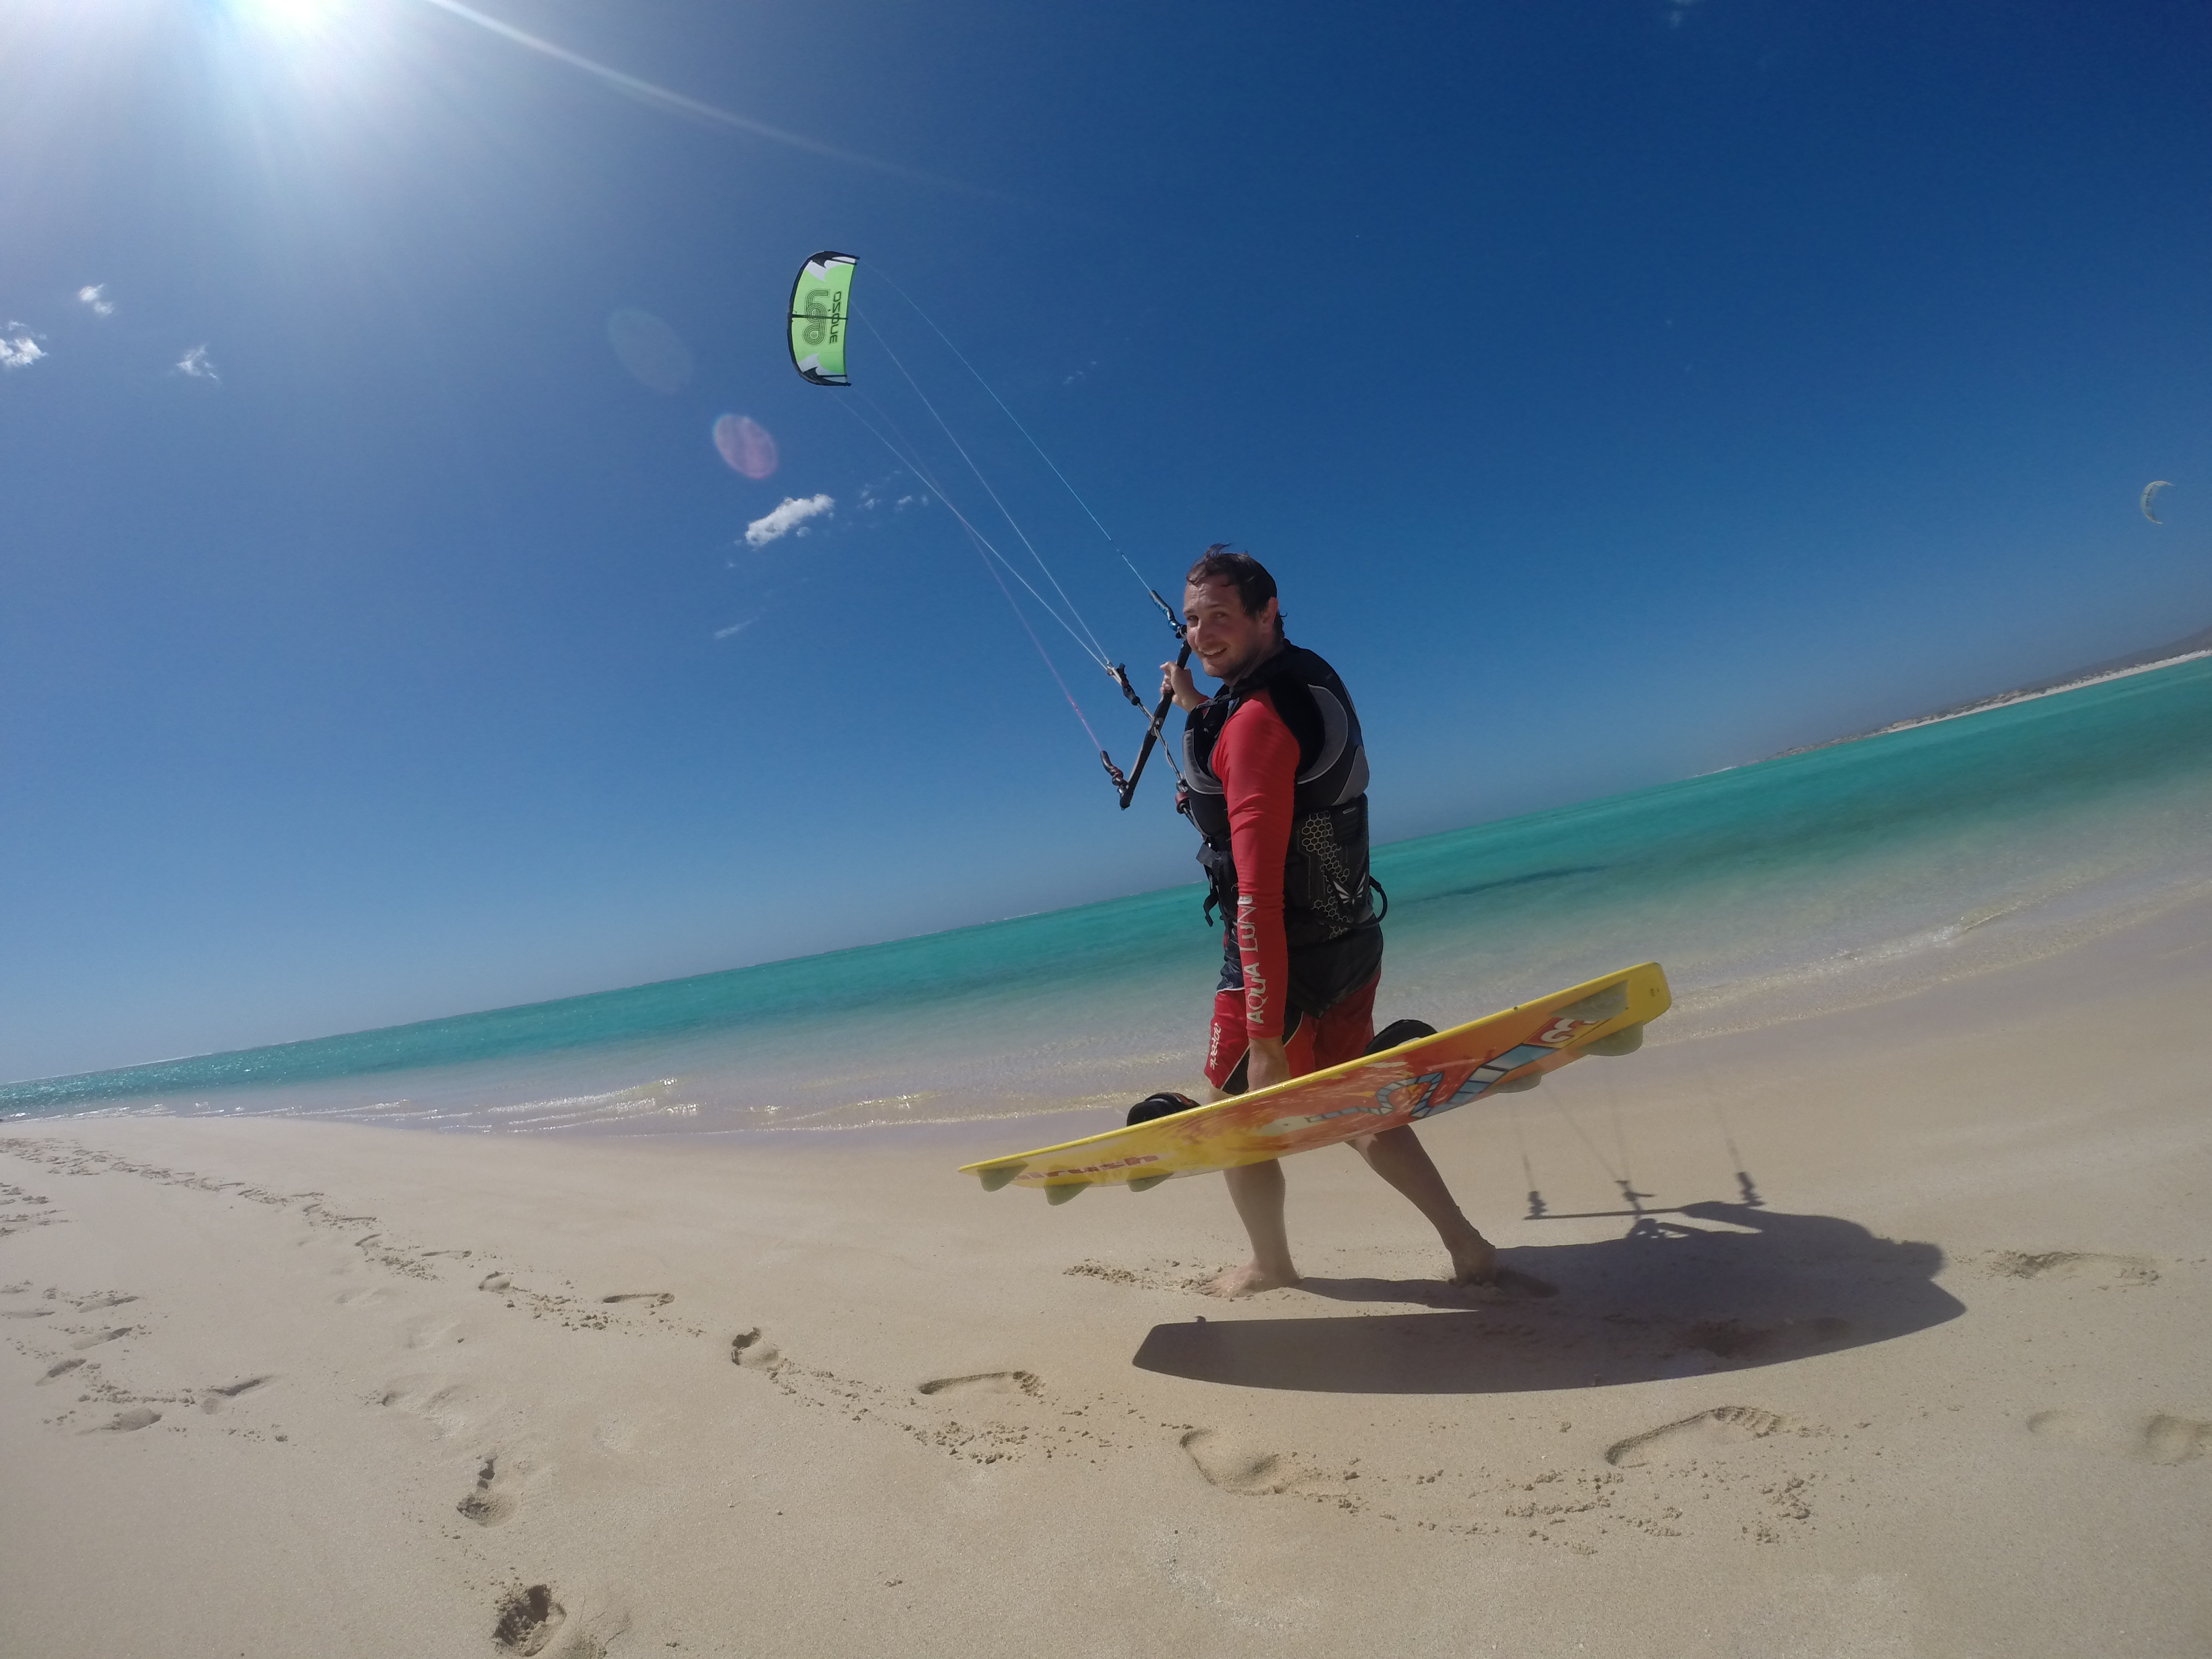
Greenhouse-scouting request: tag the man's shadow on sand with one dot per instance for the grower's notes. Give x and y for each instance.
(1668, 1300)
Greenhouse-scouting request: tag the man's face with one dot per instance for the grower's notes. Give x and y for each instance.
(1225, 639)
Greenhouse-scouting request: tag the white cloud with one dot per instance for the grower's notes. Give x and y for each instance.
(195, 363)
(790, 517)
(876, 493)
(738, 628)
(18, 347)
(92, 295)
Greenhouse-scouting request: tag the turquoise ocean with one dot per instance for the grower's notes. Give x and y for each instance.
(1839, 876)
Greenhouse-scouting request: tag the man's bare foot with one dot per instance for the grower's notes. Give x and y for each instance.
(1474, 1259)
(1246, 1279)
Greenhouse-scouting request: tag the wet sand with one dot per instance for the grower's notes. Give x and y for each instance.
(280, 1388)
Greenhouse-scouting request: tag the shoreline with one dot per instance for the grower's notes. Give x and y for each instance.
(1492, 912)
(2001, 699)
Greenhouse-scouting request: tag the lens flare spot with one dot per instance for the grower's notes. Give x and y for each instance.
(745, 444)
(650, 349)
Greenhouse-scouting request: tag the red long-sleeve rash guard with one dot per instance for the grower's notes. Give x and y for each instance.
(1256, 759)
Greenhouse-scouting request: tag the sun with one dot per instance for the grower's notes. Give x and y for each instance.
(286, 20)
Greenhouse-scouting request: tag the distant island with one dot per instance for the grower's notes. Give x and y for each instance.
(2198, 644)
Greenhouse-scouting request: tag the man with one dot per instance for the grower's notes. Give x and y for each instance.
(1276, 782)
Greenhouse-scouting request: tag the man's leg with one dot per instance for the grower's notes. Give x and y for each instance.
(1399, 1157)
(1257, 1191)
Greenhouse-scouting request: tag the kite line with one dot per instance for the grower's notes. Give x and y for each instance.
(821, 315)
(1111, 541)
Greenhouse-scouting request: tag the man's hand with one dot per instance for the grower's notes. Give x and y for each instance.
(1176, 681)
(1266, 1064)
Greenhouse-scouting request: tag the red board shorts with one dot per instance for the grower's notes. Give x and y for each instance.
(1313, 1041)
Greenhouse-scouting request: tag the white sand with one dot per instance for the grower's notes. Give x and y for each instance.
(1946, 1396)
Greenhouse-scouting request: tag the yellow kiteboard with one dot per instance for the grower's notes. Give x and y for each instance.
(1494, 1055)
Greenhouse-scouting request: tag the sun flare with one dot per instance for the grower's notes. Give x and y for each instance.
(292, 20)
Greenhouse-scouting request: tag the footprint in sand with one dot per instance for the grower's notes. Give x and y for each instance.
(26, 1313)
(448, 1407)
(1233, 1466)
(106, 1299)
(1110, 1273)
(61, 1369)
(1723, 1425)
(488, 1504)
(138, 1417)
(99, 1337)
(2076, 1267)
(527, 1619)
(214, 1399)
(983, 1383)
(495, 1282)
(656, 1299)
(755, 1351)
(2157, 1439)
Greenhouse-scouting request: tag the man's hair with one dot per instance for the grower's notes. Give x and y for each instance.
(1241, 571)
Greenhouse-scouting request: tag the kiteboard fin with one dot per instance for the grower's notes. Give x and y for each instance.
(1626, 1041)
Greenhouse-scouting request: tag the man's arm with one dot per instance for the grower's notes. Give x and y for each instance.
(1256, 759)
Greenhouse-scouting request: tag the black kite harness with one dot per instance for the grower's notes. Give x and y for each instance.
(1329, 922)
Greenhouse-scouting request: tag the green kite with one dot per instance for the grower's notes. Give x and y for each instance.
(820, 314)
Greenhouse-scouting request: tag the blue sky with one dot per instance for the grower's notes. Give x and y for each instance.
(1618, 392)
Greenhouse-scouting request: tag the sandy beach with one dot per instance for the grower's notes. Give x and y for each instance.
(277, 1388)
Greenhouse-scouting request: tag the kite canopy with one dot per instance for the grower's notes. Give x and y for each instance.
(819, 315)
(2150, 494)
